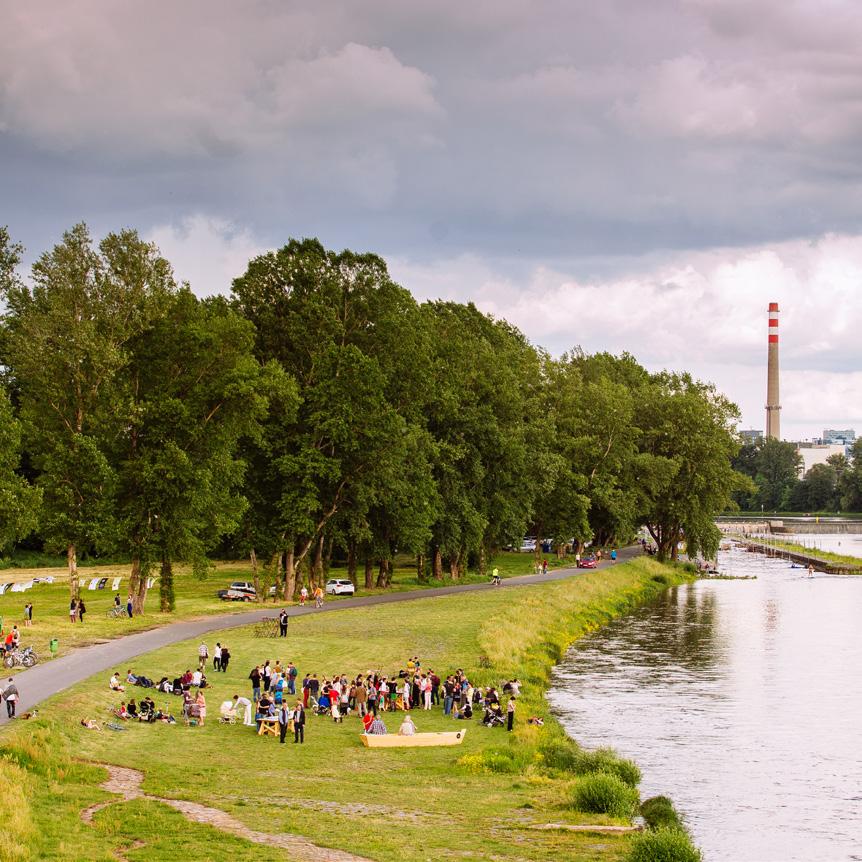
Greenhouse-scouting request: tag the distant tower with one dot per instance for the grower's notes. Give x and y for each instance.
(773, 408)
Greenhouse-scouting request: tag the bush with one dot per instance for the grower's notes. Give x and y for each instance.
(663, 845)
(659, 813)
(560, 754)
(606, 760)
(602, 793)
(499, 760)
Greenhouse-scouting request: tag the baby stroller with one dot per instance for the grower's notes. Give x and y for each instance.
(321, 706)
(228, 716)
(493, 716)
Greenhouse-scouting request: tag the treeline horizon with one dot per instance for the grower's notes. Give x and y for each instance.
(318, 411)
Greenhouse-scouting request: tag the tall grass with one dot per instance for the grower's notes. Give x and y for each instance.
(663, 845)
(16, 824)
(601, 793)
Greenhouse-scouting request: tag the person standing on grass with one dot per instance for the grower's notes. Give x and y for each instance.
(225, 658)
(82, 609)
(129, 606)
(217, 657)
(73, 610)
(10, 694)
(254, 676)
(283, 721)
(282, 625)
(266, 675)
(201, 703)
(299, 722)
(203, 655)
(28, 615)
(510, 714)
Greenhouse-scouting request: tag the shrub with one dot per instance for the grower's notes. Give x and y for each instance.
(560, 754)
(602, 793)
(500, 760)
(663, 845)
(659, 813)
(606, 760)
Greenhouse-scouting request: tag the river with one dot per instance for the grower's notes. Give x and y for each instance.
(742, 701)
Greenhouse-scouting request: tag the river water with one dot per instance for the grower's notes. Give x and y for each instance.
(742, 701)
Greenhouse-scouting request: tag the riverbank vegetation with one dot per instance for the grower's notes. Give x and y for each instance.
(815, 553)
(503, 796)
(322, 414)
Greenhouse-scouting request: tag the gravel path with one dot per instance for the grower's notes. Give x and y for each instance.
(44, 680)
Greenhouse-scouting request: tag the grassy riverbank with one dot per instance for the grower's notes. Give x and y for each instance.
(853, 563)
(194, 597)
(498, 796)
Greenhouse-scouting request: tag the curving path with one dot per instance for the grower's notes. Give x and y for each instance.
(44, 680)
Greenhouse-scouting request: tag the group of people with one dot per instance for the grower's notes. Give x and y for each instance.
(373, 693)
(12, 640)
(146, 711)
(77, 609)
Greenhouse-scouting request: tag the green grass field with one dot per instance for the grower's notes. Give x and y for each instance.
(194, 598)
(428, 804)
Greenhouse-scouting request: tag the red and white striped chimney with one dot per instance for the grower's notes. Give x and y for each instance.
(773, 408)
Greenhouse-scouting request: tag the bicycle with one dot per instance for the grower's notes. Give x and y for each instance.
(25, 657)
(116, 612)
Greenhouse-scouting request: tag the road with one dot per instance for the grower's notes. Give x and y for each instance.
(44, 680)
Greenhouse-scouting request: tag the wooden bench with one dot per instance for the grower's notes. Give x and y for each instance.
(268, 727)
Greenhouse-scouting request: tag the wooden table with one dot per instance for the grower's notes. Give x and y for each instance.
(268, 727)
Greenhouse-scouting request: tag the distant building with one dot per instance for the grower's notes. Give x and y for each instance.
(817, 453)
(749, 435)
(846, 437)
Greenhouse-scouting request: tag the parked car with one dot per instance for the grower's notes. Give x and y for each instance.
(587, 563)
(529, 544)
(340, 587)
(238, 591)
(243, 587)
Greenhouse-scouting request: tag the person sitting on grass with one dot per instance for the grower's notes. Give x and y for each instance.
(132, 709)
(407, 727)
(131, 679)
(121, 711)
(90, 724)
(115, 684)
(378, 728)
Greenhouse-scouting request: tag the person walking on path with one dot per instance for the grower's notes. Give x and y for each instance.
(28, 615)
(299, 723)
(318, 596)
(203, 655)
(10, 695)
(614, 555)
(282, 623)
(217, 656)
(510, 714)
(303, 596)
(129, 606)
(283, 721)
(225, 658)
(73, 610)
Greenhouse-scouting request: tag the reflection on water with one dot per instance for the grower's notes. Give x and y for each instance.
(742, 701)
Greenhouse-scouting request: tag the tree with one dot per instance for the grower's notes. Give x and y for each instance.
(193, 390)
(817, 491)
(851, 480)
(65, 342)
(778, 466)
(688, 441)
(19, 501)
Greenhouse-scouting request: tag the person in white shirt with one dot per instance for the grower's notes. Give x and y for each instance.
(115, 683)
(203, 655)
(246, 703)
(196, 677)
(407, 727)
(217, 657)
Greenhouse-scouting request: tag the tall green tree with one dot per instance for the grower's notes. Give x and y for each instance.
(850, 486)
(65, 342)
(688, 439)
(19, 501)
(778, 467)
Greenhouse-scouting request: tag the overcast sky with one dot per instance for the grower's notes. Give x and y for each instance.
(620, 175)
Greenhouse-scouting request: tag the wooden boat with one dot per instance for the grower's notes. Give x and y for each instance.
(418, 740)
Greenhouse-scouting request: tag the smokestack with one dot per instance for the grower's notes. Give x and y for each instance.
(773, 408)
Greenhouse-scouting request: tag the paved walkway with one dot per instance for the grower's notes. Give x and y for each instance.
(45, 680)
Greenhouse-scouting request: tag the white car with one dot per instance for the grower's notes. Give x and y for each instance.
(340, 587)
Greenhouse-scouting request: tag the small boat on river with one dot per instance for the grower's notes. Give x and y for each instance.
(417, 740)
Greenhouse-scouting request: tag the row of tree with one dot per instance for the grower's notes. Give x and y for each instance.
(322, 411)
(775, 466)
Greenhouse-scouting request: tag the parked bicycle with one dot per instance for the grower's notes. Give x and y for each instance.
(26, 657)
(117, 611)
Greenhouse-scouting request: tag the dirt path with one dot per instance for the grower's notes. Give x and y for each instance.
(126, 783)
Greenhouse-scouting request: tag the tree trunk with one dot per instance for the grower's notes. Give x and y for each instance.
(327, 558)
(255, 575)
(453, 566)
(437, 564)
(289, 574)
(317, 574)
(383, 574)
(134, 579)
(351, 561)
(421, 577)
(276, 568)
(166, 586)
(483, 562)
(139, 599)
(369, 573)
(74, 583)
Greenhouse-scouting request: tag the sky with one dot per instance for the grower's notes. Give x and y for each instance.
(616, 176)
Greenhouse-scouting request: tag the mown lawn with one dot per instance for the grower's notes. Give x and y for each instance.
(422, 804)
(194, 598)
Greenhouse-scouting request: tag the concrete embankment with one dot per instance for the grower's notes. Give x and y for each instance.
(801, 558)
